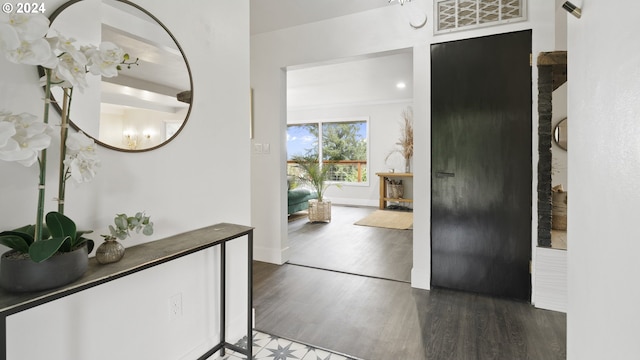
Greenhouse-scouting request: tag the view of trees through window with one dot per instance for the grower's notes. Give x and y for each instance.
(343, 148)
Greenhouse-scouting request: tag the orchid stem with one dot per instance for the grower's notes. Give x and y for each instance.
(42, 161)
(63, 153)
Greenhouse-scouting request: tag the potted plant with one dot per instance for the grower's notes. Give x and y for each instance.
(31, 265)
(111, 250)
(38, 258)
(317, 177)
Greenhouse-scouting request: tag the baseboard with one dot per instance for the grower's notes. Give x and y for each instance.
(236, 330)
(420, 278)
(271, 255)
(199, 350)
(551, 279)
(354, 202)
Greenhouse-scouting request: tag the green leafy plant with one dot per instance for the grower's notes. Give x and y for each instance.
(125, 224)
(313, 174)
(59, 235)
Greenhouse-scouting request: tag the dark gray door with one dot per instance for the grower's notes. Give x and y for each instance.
(481, 165)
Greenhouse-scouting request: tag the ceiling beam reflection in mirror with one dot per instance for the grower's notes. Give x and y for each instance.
(145, 106)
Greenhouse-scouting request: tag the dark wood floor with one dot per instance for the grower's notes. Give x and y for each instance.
(342, 246)
(376, 319)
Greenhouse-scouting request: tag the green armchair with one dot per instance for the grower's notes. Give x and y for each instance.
(298, 199)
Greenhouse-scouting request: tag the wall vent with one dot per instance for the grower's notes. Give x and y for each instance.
(457, 15)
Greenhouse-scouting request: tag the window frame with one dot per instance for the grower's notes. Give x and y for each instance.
(319, 122)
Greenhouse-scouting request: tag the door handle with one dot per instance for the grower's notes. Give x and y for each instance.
(444, 174)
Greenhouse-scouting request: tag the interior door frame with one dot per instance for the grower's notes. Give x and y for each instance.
(529, 243)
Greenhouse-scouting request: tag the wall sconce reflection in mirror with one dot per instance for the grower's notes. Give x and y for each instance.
(133, 141)
(572, 9)
(130, 140)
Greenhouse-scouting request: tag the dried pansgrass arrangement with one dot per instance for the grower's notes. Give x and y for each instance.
(405, 143)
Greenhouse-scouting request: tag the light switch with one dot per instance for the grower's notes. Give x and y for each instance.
(266, 148)
(257, 148)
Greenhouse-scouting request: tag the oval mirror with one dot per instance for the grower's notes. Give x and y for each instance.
(560, 134)
(147, 104)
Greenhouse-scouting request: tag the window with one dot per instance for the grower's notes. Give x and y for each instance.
(343, 147)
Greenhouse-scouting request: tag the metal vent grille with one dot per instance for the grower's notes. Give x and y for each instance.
(454, 15)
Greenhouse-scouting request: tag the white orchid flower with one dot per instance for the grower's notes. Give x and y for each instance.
(31, 47)
(4, 114)
(51, 62)
(12, 152)
(36, 52)
(82, 166)
(105, 59)
(70, 70)
(30, 27)
(9, 39)
(65, 45)
(7, 131)
(56, 81)
(28, 125)
(81, 170)
(81, 159)
(79, 142)
(28, 148)
(29, 137)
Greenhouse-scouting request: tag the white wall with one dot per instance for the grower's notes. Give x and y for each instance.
(183, 186)
(604, 168)
(373, 31)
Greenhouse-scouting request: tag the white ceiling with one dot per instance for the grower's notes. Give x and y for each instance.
(368, 79)
(270, 15)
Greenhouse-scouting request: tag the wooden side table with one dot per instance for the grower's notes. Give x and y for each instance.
(383, 188)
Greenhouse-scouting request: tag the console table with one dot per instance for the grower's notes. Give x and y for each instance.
(141, 257)
(383, 187)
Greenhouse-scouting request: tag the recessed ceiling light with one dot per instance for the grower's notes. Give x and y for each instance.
(401, 85)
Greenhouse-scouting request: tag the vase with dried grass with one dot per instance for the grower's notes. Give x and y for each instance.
(405, 142)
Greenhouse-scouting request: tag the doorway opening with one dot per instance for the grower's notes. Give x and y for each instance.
(357, 102)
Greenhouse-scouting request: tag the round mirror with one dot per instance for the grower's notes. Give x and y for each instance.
(560, 134)
(147, 104)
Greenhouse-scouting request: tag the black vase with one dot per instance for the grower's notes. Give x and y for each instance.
(24, 275)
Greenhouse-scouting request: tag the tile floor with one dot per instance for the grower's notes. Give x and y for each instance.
(271, 347)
